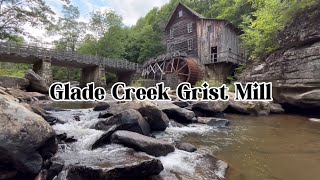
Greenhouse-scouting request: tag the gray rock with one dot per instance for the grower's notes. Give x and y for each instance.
(276, 108)
(203, 120)
(304, 29)
(101, 107)
(105, 137)
(175, 124)
(157, 119)
(37, 83)
(181, 104)
(186, 147)
(26, 138)
(211, 106)
(119, 164)
(258, 108)
(139, 142)
(45, 115)
(130, 120)
(180, 115)
(14, 82)
(216, 122)
(55, 167)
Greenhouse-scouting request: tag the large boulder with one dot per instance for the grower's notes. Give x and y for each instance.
(259, 108)
(45, 115)
(130, 120)
(139, 142)
(157, 120)
(307, 99)
(123, 163)
(26, 138)
(105, 138)
(251, 107)
(177, 113)
(14, 82)
(37, 83)
(19, 94)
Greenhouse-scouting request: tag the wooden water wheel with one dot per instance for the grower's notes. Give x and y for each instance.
(185, 68)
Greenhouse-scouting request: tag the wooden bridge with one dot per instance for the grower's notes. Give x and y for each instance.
(93, 67)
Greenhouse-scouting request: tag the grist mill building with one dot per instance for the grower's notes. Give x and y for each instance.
(197, 48)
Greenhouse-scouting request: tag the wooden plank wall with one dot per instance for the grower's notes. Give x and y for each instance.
(221, 36)
(181, 35)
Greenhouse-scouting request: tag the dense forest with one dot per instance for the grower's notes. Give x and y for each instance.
(106, 35)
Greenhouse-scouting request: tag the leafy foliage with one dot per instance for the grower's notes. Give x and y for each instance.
(14, 14)
(69, 27)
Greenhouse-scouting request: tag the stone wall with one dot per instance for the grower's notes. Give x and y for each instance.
(294, 69)
(219, 72)
(93, 74)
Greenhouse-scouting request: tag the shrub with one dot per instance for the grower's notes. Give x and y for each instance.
(136, 84)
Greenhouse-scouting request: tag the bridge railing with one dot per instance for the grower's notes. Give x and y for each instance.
(42, 53)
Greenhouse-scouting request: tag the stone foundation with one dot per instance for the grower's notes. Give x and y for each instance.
(44, 70)
(94, 74)
(219, 72)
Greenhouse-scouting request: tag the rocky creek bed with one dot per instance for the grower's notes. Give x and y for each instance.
(118, 140)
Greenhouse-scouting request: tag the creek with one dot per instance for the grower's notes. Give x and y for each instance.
(277, 147)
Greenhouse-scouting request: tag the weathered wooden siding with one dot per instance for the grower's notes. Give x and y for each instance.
(221, 36)
(181, 35)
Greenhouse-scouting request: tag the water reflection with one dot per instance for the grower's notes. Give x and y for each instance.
(274, 147)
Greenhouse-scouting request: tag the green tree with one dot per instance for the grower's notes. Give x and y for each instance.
(14, 14)
(89, 45)
(269, 17)
(69, 27)
(100, 22)
(112, 44)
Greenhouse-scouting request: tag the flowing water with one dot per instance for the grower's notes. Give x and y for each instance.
(80, 153)
(277, 147)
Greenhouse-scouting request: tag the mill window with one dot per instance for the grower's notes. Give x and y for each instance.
(190, 28)
(190, 44)
(214, 54)
(180, 13)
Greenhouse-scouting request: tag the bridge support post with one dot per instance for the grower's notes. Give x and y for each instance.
(94, 74)
(44, 70)
(126, 77)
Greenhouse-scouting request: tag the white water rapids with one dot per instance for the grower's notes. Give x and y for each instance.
(179, 161)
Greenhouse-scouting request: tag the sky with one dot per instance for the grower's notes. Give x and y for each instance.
(130, 10)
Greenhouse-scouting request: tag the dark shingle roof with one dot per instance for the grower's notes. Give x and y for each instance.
(204, 18)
